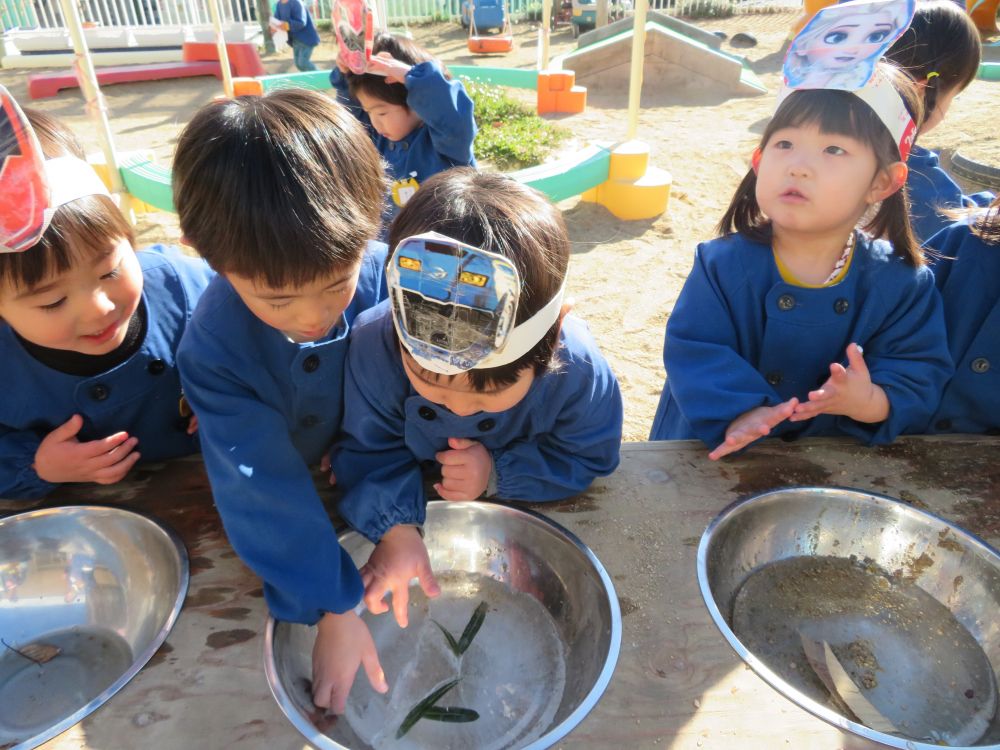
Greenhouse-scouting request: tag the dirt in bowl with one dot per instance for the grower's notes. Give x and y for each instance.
(905, 651)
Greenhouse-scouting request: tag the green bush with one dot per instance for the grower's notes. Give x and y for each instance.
(511, 135)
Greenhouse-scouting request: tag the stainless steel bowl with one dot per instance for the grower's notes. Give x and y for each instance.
(87, 596)
(514, 554)
(907, 604)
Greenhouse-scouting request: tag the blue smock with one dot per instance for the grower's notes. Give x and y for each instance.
(268, 409)
(969, 280)
(566, 431)
(740, 337)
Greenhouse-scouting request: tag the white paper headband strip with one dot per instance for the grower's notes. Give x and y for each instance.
(520, 341)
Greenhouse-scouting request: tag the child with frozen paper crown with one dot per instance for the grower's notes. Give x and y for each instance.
(798, 321)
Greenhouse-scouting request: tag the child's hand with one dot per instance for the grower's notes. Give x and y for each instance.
(753, 425)
(384, 64)
(192, 424)
(465, 470)
(62, 458)
(324, 466)
(849, 392)
(399, 557)
(343, 643)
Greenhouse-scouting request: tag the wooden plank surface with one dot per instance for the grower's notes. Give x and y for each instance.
(677, 684)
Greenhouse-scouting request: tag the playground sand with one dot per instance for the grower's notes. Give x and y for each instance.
(624, 276)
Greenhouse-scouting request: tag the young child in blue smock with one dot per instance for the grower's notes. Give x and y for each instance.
(795, 321)
(282, 195)
(420, 120)
(967, 270)
(941, 51)
(89, 327)
(475, 371)
(296, 19)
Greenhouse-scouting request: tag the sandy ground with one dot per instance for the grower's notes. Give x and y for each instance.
(625, 276)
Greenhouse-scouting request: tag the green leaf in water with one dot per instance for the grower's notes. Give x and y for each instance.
(452, 714)
(417, 712)
(452, 643)
(475, 622)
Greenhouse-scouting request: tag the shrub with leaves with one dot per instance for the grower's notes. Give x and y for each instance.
(511, 135)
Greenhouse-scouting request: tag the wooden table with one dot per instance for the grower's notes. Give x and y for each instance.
(677, 684)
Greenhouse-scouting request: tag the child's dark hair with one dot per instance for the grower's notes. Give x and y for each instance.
(400, 48)
(841, 113)
(499, 215)
(941, 46)
(987, 225)
(283, 188)
(81, 229)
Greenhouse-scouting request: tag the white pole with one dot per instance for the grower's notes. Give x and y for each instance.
(220, 43)
(546, 25)
(635, 75)
(92, 92)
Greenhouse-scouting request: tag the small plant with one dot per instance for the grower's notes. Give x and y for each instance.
(706, 9)
(511, 135)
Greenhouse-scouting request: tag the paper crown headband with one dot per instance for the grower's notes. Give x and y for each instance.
(454, 305)
(354, 24)
(840, 49)
(32, 187)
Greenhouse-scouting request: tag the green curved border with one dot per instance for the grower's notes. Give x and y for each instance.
(559, 180)
(989, 71)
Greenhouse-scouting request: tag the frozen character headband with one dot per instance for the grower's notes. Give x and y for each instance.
(354, 25)
(840, 48)
(454, 305)
(32, 187)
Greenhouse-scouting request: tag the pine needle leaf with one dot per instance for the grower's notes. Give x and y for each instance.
(475, 622)
(452, 714)
(417, 712)
(452, 643)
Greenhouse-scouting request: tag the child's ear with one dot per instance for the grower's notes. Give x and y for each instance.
(888, 181)
(755, 160)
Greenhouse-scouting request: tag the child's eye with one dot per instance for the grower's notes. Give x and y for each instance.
(783, 145)
(53, 305)
(112, 274)
(835, 150)
(338, 289)
(280, 305)
(835, 37)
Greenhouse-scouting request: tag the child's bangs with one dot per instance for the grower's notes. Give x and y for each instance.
(833, 112)
(79, 232)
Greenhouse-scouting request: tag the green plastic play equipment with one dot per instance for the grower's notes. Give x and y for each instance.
(989, 71)
(559, 180)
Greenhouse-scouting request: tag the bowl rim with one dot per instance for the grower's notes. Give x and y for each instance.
(139, 660)
(789, 692)
(553, 735)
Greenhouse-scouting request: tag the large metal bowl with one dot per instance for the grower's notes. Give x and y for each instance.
(911, 601)
(87, 596)
(512, 553)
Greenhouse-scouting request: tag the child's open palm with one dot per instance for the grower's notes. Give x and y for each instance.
(343, 643)
(849, 391)
(753, 425)
(398, 558)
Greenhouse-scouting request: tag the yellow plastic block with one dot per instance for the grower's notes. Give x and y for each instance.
(631, 194)
(100, 165)
(629, 161)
